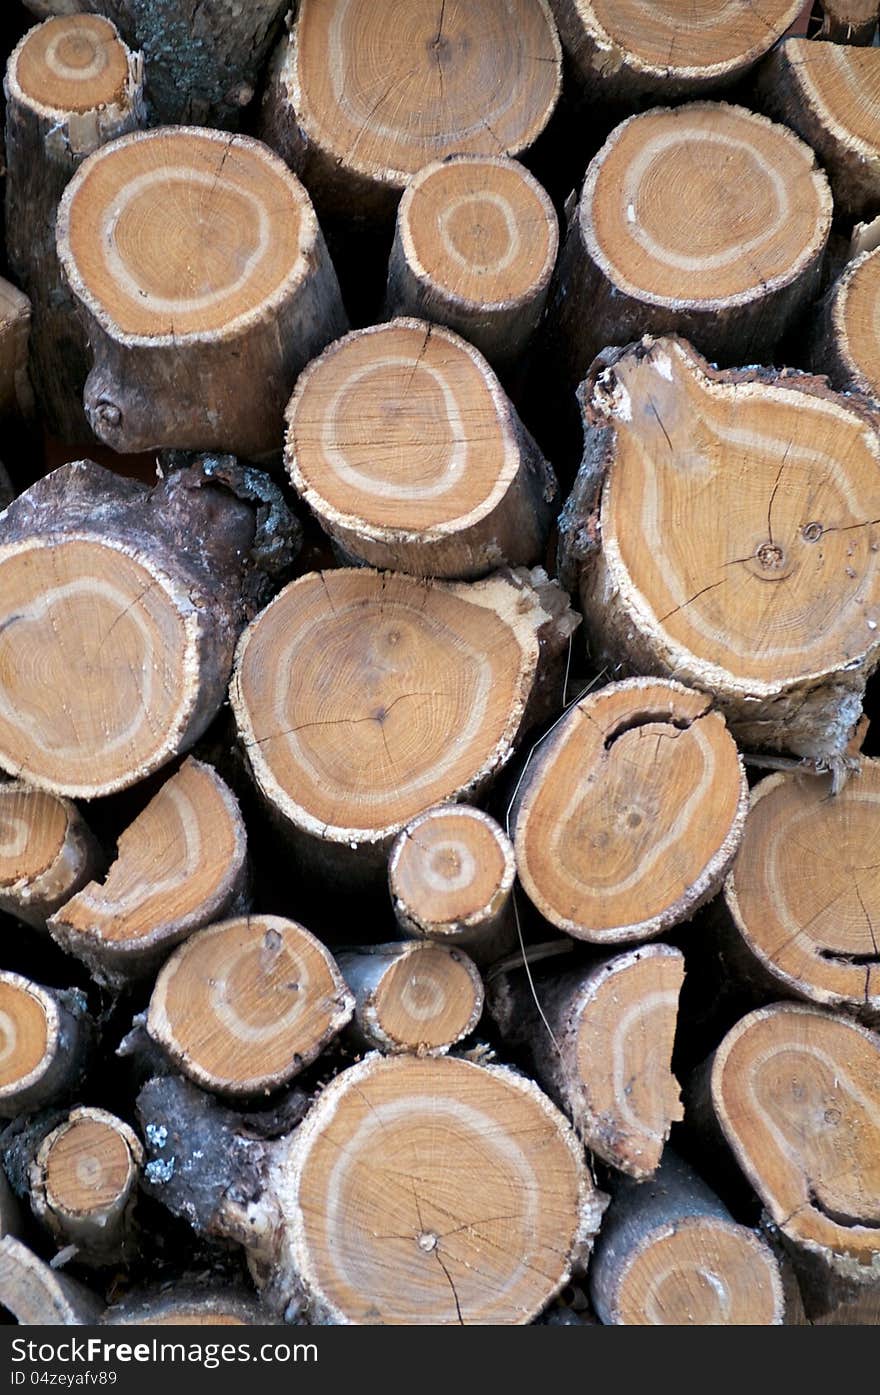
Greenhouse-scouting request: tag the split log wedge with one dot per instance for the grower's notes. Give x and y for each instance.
(46, 1038)
(847, 339)
(704, 220)
(600, 1042)
(47, 852)
(803, 895)
(625, 49)
(450, 875)
(474, 248)
(402, 442)
(417, 997)
(629, 814)
(199, 267)
(71, 85)
(738, 547)
(830, 95)
(180, 865)
(364, 698)
(38, 1296)
(421, 81)
(243, 1006)
(670, 1255)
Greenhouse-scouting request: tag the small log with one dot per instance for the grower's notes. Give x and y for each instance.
(431, 685)
(670, 1254)
(47, 852)
(83, 1185)
(450, 875)
(796, 1091)
(402, 442)
(849, 21)
(629, 814)
(180, 865)
(830, 95)
(846, 344)
(474, 248)
(46, 1038)
(600, 1042)
(243, 1006)
(120, 606)
(622, 50)
(755, 572)
(803, 896)
(71, 85)
(418, 997)
(38, 1296)
(189, 1305)
(16, 393)
(213, 289)
(654, 246)
(421, 81)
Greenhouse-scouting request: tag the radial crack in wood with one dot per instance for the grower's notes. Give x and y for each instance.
(180, 865)
(204, 280)
(243, 1006)
(474, 248)
(362, 97)
(46, 1040)
(418, 997)
(669, 1254)
(738, 545)
(363, 698)
(47, 852)
(402, 442)
(704, 220)
(83, 1185)
(450, 875)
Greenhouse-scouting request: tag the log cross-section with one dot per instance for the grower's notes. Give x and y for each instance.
(47, 852)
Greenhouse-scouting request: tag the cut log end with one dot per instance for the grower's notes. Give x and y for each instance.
(451, 874)
(180, 865)
(458, 488)
(659, 840)
(849, 21)
(45, 1037)
(46, 852)
(84, 1183)
(70, 64)
(727, 560)
(419, 998)
(485, 1210)
(850, 350)
(804, 892)
(243, 1006)
(795, 1090)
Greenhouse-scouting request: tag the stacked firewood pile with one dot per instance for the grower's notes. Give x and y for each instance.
(439, 597)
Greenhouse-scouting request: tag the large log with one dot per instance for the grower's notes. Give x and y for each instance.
(407, 693)
(402, 442)
(71, 85)
(361, 96)
(212, 289)
(47, 852)
(705, 220)
(752, 573)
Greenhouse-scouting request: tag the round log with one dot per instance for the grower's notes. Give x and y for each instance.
(796, 1091)
(418, 997)
(402, 442)
(704, 220)
(600, 1042)
(847, 339)
(432, 1191)
(71, 85)
(179, 866)
(407, 693)
(628, 816)
(670, 1255)
(201, 272)
(47, 852)
(189, 1305)
(38, 1296)
(450, 874)
(474, 248)
(422, 80)
(830, 95)
(804, 891)
(849, 21)
(754, 573)
(119, 610)
(45, 1043)
(622, 50)
(83, 1185)
(243, 1006)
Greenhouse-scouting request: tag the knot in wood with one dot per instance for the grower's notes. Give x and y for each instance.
(107, 413)
(771, 556)
(427, 1241)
